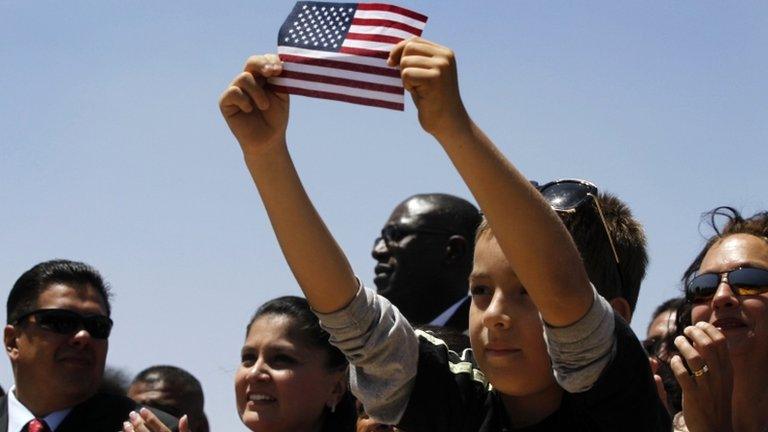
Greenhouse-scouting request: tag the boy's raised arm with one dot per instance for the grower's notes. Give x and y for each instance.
(258, 117)
(530, 234)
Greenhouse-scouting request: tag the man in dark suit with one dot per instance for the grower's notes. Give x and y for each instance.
(424, 257)
(56, 339)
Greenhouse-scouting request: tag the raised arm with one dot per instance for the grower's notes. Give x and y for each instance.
(530, 234)
(258, 117)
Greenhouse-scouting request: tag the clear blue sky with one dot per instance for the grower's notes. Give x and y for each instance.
(112, 149)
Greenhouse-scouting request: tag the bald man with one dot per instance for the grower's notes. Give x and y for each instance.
(424, 257)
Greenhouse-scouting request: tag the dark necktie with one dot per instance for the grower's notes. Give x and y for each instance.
(37, 425)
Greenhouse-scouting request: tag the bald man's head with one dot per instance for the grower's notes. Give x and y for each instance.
(424, 254)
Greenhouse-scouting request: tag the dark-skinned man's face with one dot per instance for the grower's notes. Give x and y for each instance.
(409, 255)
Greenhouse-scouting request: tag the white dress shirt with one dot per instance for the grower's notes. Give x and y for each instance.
(19, 415)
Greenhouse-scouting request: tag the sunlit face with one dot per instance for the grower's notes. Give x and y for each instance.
(283, 384)
(58, 370)
(504, 326)
(743, 319)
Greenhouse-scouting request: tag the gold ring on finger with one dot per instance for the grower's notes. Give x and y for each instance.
(704, 369)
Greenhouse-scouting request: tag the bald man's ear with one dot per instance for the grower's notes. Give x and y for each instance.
(456, 250)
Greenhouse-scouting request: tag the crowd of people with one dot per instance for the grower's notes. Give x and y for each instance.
(511, 317)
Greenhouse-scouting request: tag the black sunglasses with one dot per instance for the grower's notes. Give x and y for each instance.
(568, 195)
(743, 281)
(394, 233)
(67, 322)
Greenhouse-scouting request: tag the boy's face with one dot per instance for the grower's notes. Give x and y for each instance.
(504, 326)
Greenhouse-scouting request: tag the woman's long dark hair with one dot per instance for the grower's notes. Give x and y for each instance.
(297, 308)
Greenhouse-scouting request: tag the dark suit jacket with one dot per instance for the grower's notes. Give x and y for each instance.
(100, 413)
(460, 319)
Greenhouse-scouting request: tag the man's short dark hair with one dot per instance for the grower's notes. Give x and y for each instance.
(23, 296)
(628, 236)
(185, 383)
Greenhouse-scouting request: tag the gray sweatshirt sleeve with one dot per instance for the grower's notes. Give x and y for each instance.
(581, 351)
(383, 350)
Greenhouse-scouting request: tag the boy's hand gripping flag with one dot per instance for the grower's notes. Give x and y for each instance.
(339, 51)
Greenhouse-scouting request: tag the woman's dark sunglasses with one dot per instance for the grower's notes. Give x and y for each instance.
(67, 322)
(743, 281)
(568, 195)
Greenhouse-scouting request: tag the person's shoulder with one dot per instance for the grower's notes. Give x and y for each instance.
(434, 351)
(449, 386)
(104, 409)
(625, 394)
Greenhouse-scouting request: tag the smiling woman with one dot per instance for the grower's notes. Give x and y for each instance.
(290, 378)
(723, 329)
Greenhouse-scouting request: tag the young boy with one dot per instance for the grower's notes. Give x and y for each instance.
(527, 279)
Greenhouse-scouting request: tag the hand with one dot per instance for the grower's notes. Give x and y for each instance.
(257, 116)
(429, 74)
(660, 390)
(145, 421)
(707, 390)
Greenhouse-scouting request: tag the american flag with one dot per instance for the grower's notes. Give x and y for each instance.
(339, 51)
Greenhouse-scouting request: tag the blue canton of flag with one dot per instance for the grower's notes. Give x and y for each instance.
(317, 26)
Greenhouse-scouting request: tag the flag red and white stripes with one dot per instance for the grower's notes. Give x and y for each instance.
(339, 51)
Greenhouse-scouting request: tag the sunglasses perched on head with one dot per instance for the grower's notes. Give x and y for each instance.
(67, 322)
(743, 281)
(568, 195)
